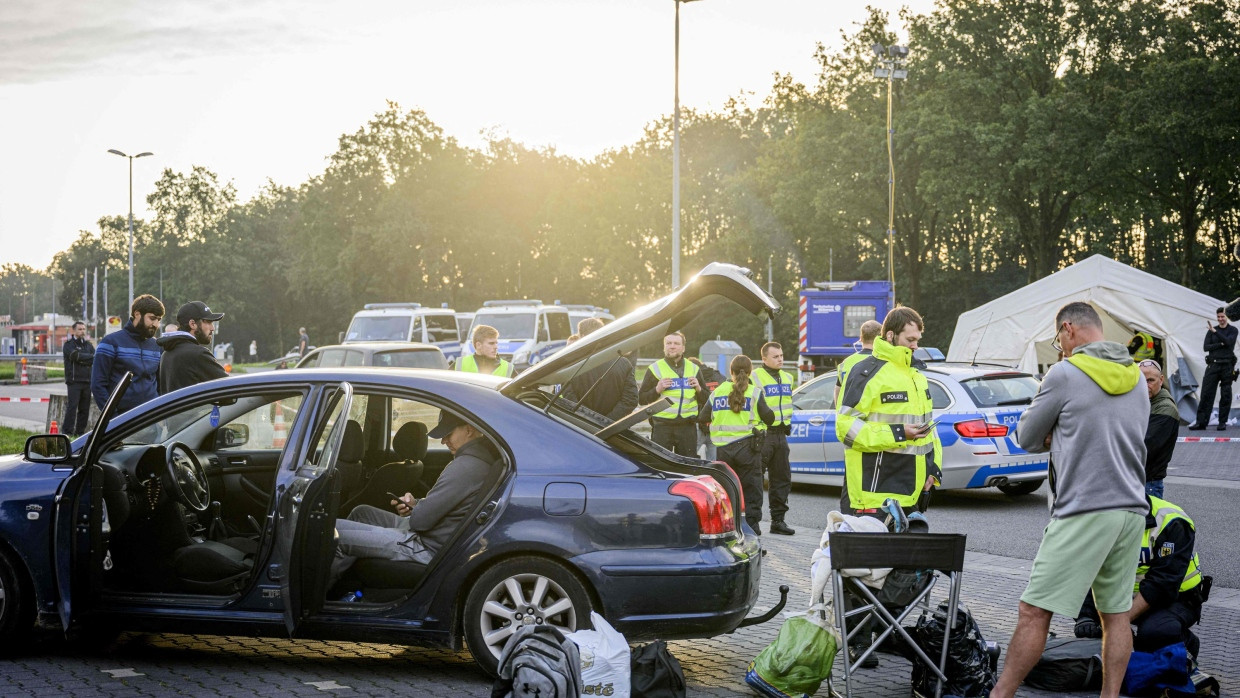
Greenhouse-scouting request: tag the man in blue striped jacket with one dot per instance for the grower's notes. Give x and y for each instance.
(132, 349)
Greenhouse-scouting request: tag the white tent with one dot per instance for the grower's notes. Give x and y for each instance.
(1017, 329)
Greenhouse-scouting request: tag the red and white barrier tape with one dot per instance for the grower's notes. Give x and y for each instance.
(1207, 439)
(25, 399)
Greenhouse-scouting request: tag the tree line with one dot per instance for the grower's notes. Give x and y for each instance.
(1029, 135)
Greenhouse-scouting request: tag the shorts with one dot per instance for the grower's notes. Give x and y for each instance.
(1098, 550)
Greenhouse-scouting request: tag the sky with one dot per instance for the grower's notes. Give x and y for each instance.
(261, 90)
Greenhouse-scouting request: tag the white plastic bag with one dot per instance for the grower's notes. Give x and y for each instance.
(604, 659)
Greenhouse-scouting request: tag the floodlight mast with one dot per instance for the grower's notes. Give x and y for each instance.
(891, 61)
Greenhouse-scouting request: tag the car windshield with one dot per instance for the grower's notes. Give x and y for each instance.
(375, 328)
(511, 326)
(1001, 389)
(413, 358)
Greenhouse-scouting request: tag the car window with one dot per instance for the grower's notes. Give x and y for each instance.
(543, 334)
(312, 360)
(855, 316)
(512, 326)
(331, 358)
(442, 328)
(192, 424)
(267, 423)
(405, 411)
(411, 358)
(393, 328)
(1001, 388)
(320, 445)
(416, 333)
(939, 396)
(560, 326)
(818, 395)
(352, 357)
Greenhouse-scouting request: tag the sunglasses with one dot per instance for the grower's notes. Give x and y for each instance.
(1150, 362)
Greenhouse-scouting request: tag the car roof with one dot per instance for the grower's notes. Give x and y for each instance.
(961, 370)
(382, 346)
(369, 374)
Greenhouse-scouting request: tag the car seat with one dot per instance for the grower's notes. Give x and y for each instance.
(349, 465)
(398, 477)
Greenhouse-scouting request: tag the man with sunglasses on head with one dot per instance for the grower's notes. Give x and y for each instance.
(1162, 429)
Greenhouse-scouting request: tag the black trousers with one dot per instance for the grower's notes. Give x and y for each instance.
(680, 439)
(77, 409)
(1159, 627)
(775, 460)
(747, 462)
(1217, 377)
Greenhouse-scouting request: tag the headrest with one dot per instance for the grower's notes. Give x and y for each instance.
(352, 447)
(410, 441)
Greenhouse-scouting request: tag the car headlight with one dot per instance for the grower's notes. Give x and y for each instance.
(521, 357)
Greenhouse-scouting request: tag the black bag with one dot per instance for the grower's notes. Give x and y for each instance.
(901, 586)
(655, 673)
(538, 661)
(1068, 664)
(970, 666)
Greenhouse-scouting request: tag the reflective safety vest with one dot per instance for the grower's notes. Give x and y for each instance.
(1165, 512)
(1146, 350)
(882, 391)
(469, 364)
(727, 426)
(682, 395)
(777, 392)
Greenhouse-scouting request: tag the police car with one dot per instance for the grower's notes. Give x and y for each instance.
(977, 408)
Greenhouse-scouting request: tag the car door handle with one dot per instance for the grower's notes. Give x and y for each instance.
(238, 460)
(817, 421)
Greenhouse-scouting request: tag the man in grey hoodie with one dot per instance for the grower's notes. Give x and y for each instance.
(1091, 414)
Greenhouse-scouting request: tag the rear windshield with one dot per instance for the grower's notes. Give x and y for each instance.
(511, 326)
(392, 328)
(418, 358)
(1001, 389)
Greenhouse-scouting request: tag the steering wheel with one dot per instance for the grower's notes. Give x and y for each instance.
(187, 479)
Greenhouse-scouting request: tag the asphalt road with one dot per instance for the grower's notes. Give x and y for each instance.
(25, 415)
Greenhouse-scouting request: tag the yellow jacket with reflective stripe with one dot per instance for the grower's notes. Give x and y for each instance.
(1165, 512)
(884, 392)
(1146, 349)
(683, 397)
(469, 364)
(777, 392)
(727, 426)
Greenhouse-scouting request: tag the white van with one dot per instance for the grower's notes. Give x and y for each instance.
(529, 330)
(577, 313)
(406, 322)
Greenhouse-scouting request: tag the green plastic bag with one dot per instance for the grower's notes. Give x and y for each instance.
(797, 663)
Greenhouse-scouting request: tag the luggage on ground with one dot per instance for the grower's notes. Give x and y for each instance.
(604, 659)
(538, 661)
(655, 673)
(971, 660)
(797, 662)
(1068, 664)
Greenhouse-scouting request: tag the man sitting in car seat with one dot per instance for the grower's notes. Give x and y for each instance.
(420, 527)
(1170, 588)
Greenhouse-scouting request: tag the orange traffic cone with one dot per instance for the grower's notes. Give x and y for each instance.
(55, 428)
(25, 379)
(279, 435)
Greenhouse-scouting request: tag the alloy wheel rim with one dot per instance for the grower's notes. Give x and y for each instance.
(524, 599)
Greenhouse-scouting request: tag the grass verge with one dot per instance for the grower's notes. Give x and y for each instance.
(13, 440)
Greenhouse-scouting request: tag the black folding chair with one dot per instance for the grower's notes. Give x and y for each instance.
(943, 552)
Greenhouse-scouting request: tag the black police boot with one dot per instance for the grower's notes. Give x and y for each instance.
(782, 528)
(854, 651)
(1196, 427)
(756, 526)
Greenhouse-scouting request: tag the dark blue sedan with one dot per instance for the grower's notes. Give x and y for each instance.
(213, 508)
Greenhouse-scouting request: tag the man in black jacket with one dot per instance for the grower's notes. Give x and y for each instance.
(186, 359)
(79, 355)
(610, 389)
(1220, 349)
(1162, 430)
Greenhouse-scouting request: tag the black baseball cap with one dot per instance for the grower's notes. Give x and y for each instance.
(447, 422)
(196, 310)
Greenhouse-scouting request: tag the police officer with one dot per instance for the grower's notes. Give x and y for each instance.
(1220, 349)
(775, 386)
(675, 428)
(1170, 588)
(1141, 347)
(485, 358)
(737, 414)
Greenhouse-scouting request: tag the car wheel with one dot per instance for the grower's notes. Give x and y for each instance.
(522, 590)
(16, 609)
(1018, 488)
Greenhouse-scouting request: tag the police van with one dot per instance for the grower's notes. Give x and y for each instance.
(406, 322)
(529, 330)
(577, 313)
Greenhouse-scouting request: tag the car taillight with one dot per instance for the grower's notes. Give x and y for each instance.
(712, 504)
(980, 429)
(740, 491)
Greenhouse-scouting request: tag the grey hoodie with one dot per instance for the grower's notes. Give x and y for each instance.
(1095, 407)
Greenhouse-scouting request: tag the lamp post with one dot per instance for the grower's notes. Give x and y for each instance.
(676, 156)
(131, 158)
(891, 61)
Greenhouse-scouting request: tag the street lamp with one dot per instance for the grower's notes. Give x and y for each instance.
(676, 158)
(891, 66)
(131, 158)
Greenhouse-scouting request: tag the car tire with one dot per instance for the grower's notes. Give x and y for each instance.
(555, 594)
(16, 605)
(1017, 489)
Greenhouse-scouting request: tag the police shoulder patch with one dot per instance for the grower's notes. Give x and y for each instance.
(1166, 549)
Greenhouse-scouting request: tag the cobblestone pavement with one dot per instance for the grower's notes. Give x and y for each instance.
(171, 664)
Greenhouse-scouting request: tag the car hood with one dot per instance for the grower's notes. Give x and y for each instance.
(716, 283)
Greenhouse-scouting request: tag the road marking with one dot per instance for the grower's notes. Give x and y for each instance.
(122, 673)
(326, 685)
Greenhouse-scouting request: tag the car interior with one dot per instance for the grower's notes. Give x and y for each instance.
(184, 496)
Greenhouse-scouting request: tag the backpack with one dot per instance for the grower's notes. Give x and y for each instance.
(971, 661)
(538, 661)
(655, 673)
(1068, 664)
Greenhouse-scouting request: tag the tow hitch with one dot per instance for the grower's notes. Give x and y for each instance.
(783, 599)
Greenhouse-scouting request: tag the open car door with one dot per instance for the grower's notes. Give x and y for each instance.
(305, 528)
(79, 546)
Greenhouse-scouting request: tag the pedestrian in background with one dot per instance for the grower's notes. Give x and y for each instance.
(1091, 413)
(187, 360)
(170, 327)
(486, 358)
(1220, 348)
(674, 428)
(79, 356)
(1161, 430)
(774, 386)
(711, 379)
(869, 332)
(609, 389)
(253, 350)
(303, 342)
(737, 414)
(132, 349)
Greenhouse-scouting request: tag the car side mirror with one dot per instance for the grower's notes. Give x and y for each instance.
(48, 448)
(232, 435)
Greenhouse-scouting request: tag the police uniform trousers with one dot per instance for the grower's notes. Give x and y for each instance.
(746, 459)
(1218, 376)
(1159, 627)
(679, 437)
(778, 469)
